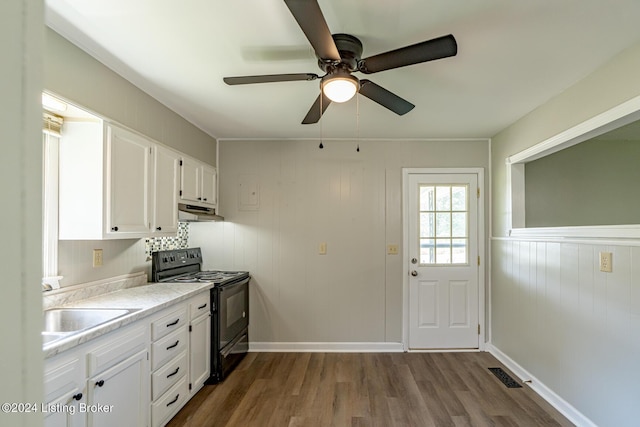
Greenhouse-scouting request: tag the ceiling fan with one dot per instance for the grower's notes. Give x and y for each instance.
(339, 55)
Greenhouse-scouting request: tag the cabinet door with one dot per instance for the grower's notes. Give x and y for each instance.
(199, 352)
(190, 180)
(121, 393)
(65, 411)
(63, 392)
(127, 182)
(209, 185)
(166, 176)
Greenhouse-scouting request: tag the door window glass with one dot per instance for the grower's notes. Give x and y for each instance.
(444, 224)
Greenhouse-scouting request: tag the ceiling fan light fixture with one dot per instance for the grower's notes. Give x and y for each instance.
(340, 86)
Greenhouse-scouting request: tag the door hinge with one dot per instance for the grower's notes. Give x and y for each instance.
(478, 328)
(150, 150)
(180, 192)
(478, 193)
(190, 328)
(180, 162)
(190, 386)
(478, 260)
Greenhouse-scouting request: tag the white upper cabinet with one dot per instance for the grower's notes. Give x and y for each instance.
(209, 185)
(198, 183)
(127, 182)
(115, 184)
(166, 185)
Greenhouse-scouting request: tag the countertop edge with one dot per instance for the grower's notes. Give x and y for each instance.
(155, 299)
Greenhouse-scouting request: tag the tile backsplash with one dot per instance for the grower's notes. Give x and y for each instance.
(180, 241)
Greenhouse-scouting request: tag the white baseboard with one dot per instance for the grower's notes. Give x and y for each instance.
(327, 347)
(564, 407)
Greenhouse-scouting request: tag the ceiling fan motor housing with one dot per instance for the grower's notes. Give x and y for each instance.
(350, 49)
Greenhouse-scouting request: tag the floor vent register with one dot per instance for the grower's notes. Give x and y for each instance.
(505, 378)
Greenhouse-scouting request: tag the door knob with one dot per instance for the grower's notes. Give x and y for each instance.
(414, 260)
(414, 273)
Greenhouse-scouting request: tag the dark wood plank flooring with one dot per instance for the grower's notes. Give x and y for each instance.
(366, 389)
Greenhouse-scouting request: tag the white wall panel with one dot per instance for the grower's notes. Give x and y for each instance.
(350, 201)
(573, 327)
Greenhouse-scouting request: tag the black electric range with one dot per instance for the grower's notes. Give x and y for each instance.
(229, 304)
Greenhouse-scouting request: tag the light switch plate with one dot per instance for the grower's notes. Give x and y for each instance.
(392, 249)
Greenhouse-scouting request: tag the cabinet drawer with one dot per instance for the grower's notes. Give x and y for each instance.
(169, 403)
(168, 347)
(168, 375)
(169, 323)
(199, 305)
(117, 348)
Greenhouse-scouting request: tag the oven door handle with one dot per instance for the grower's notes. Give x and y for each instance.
(232, 286)
(227, 349)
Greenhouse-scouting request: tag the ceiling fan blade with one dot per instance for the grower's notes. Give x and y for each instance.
(314, 113)
(385, 98)
(441, 47)
(310, 18)
(269, 78)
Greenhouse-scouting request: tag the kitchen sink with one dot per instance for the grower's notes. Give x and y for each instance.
(48, 337)
(60, 322)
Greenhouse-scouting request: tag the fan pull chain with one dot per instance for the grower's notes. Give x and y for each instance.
(321, 146)
(357, 123)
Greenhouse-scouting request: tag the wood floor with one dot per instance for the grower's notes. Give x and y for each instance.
(366, 389)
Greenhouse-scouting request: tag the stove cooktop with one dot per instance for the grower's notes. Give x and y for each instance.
(183, 266)
(217, 277)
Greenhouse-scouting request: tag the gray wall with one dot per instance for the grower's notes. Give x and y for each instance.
(21, 218)
(73, 74)
(571, 326)
(592, 183)
(352, 201)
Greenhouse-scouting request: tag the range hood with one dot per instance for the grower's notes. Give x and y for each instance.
(193, 213)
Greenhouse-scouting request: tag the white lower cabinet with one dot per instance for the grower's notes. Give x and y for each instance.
(63, 393)
(169, 363)
(140, 375)
(199, 341)
(116, 397)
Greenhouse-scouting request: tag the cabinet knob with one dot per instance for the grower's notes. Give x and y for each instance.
(159, 228)
(77, 396)
(199, 198)
(114, 228)
(100, 383)
(205, 199)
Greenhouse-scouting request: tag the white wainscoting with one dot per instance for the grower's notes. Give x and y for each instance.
(573, 328)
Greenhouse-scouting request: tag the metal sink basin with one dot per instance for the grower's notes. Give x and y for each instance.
(59, 322)
(49, 337)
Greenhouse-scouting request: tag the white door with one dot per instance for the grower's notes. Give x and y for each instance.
(443, 261)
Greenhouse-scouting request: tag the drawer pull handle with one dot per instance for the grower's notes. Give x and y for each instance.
(174, 345)
(174, 372)
(174, 400)
(100, 383)
(173, 323)
(202, 306)
(77, 396)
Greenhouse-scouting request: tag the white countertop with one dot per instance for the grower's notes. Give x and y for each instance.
(148, 299)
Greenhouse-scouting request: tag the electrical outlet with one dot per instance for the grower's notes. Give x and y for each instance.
(392, 249)
(97, 257)
(322, 248)
(605, 262)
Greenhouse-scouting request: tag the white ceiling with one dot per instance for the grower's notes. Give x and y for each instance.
(513, 55)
